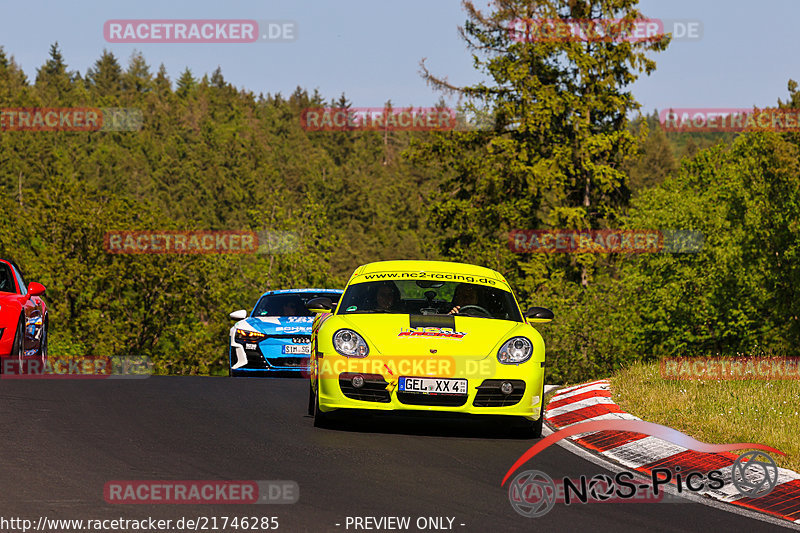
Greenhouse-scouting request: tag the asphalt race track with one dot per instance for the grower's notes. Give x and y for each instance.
(63, 440)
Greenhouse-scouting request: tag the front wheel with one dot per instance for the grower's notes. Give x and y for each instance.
(533, 430)
(19, 340)
(42, 355)
(311, 399)
(17, 349)
(321, 420)
(536, 427)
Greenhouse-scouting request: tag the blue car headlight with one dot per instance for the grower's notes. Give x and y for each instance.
(515, 351)
(350, 344)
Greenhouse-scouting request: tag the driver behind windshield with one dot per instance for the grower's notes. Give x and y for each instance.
(465, 294)
(387, 296)
(291, 307)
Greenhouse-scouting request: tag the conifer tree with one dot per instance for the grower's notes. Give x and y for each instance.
(553, 156)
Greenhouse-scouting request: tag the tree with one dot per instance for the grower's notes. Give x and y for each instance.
(105, 78)
(741, 288)
(186, 83)
(217, 80)
(52, 78)
(137, 78)
(342, 102)
(792, 103)
(162, 82)
(12, 79)
(655, 159)
(554, 155)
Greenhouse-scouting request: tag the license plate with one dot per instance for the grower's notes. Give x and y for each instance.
(433, 385)
(297, 349)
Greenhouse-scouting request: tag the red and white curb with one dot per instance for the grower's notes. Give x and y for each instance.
(592, 401)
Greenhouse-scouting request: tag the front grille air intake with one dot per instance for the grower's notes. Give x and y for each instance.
(490, 395)
(374, 389)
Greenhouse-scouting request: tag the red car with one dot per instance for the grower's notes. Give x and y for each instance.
(23, 319)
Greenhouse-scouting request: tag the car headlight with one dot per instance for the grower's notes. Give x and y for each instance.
(350, 344)
(515, 351)
(249, 336)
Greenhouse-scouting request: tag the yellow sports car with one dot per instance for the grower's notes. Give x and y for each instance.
(427, 336)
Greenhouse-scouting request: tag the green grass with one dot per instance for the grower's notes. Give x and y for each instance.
(719, 412)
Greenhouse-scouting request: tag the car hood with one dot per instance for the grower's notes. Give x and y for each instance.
(278, 325)
(418, 335)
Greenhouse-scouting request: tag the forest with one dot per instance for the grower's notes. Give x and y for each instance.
(209, 156)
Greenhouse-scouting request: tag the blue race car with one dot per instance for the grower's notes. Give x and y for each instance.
(276, 338)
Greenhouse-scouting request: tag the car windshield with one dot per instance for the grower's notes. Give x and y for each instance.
(289, 304)
(429, 298)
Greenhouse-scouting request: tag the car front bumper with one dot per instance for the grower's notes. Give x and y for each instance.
(244, 362)
(381, 390)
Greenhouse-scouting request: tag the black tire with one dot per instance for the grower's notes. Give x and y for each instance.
(18, 348)
(42, 355)
(311, 399)
(321, 420)
(536, 427)
(533, 430)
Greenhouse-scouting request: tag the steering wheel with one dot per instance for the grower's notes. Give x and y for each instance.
(475, 307)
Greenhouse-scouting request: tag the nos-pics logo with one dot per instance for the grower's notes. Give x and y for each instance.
(533, 493)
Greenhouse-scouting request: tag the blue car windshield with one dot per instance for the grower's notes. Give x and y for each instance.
(289, 304)
(429, 298)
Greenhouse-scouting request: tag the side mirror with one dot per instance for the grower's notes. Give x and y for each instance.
(320, 305)
(539, 315)
(241, 314)
(35, 289)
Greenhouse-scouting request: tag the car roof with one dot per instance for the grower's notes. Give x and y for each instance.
(293, 291)
(428, 266)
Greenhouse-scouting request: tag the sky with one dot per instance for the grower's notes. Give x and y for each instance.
(371, 49)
